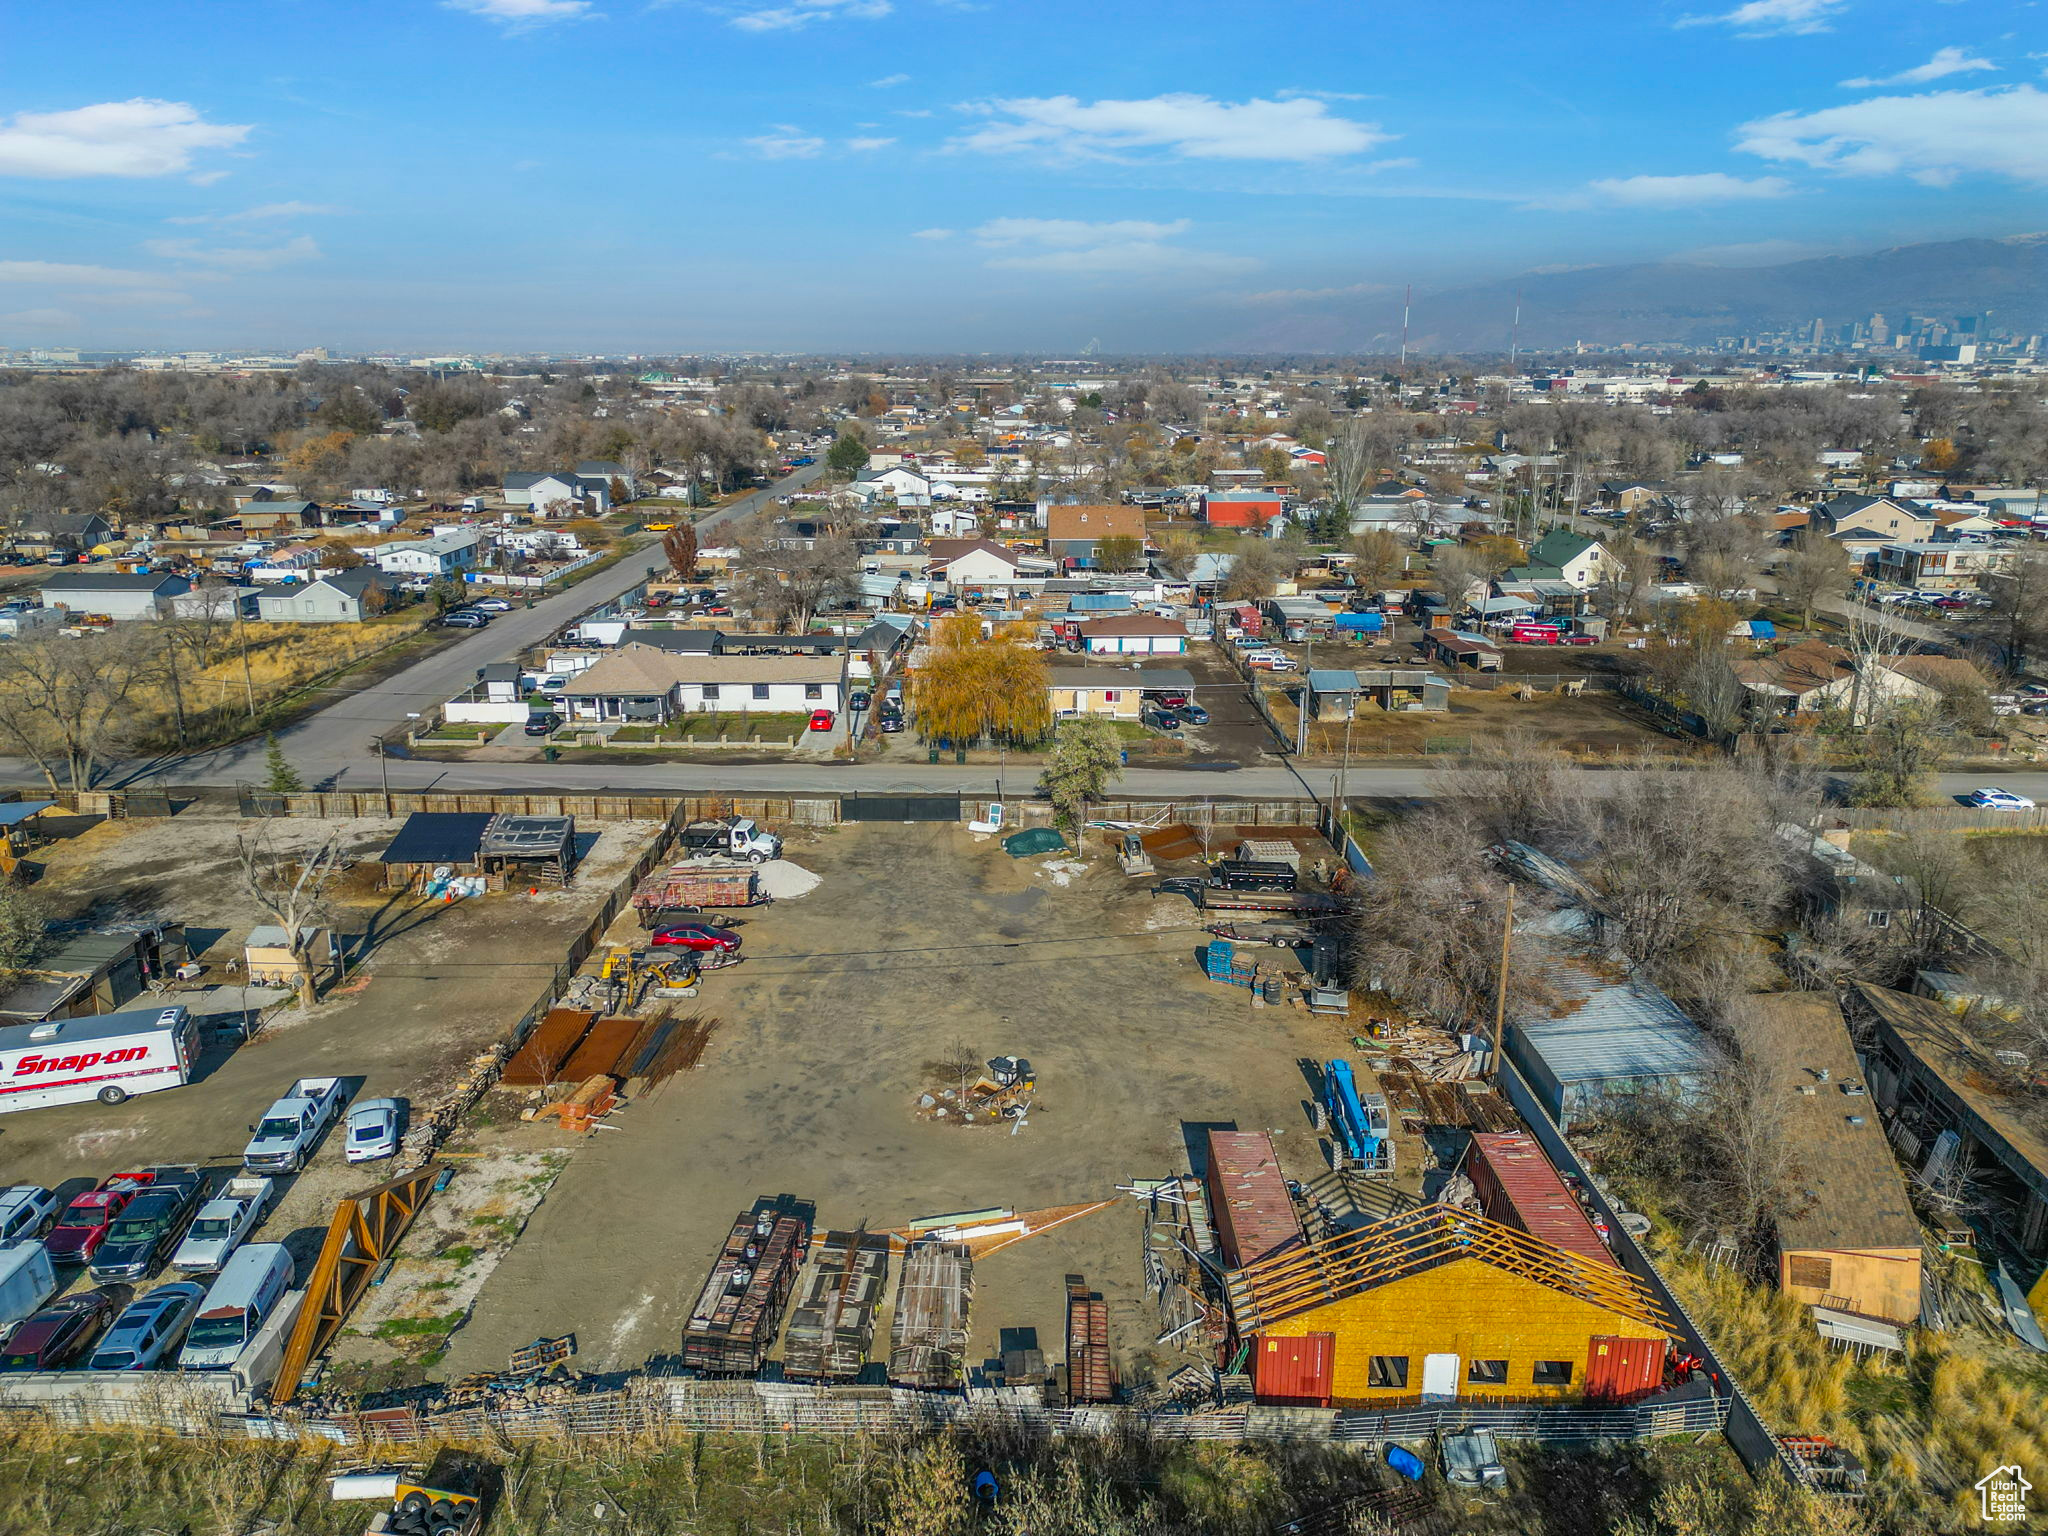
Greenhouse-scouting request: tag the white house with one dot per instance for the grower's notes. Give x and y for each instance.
(910, 488)
(1135, 634)
(971, 562)
(607, 471)
(445, 554)
(639, 682)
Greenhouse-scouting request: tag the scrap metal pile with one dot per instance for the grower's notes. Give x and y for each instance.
(833, 1325)
(928, 1340)
(734, 1321)
(1003, 1089)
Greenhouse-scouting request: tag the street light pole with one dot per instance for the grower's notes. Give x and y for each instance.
(383, 773)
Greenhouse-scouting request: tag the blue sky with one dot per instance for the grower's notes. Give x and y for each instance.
(616, 175)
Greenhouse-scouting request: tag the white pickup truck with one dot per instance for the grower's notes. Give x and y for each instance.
(285, 1137)
(231, 1215)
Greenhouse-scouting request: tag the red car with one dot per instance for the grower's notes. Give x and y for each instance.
(821, 719)
(64, 1330)
(83, 1226)
(1172, 700)
(704, 936)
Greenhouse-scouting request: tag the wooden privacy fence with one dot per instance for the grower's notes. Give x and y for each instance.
(800, 810)
(1937, 818)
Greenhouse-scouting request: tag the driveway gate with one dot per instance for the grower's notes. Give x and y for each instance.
(899, 808)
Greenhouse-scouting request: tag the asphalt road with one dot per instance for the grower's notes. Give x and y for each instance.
(336, 741)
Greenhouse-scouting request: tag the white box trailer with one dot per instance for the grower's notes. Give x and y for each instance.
(108, 1056)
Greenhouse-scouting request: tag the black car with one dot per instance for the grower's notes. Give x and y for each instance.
(1161, 719)
(149, 1226)
(891, 723)
(541, 725)
(858, 699)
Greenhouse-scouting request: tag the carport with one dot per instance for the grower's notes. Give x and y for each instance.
(434, 840)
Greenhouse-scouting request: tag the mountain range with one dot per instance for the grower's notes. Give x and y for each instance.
(1671, 301)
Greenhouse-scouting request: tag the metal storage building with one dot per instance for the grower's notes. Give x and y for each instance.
(1248, 1199)
(1605, 1039)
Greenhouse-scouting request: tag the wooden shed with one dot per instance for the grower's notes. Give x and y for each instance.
(267, 956)
(1851, 1243)
(1440, 1304)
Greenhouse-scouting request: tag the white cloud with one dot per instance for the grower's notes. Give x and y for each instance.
(787, 143)
(40, 319)
(64, 274)
(522, 15)
(1686, 191)
(864, 145)
(235, 258)
(889, 81)
(801, 13)
(1198, 127)
(142, 137)
(1932, 138)
(1946, 62)
(261, 214)
(1111, 247)
(933, 234)
(1774, 18)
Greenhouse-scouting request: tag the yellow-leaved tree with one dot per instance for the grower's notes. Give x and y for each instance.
(972, 686)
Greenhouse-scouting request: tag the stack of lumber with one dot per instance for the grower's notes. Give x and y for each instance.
(928, 1340)
(834, 1322)
(1422, 1101)
(738, 1311)
(592, 1100)
(429, 1127)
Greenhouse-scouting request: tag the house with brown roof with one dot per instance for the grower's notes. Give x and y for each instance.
(1134, 634)
(1072, 533)
(1813, 675)
(1848, 1241)
(970, 562)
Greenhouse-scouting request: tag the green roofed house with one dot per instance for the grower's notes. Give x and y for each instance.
(1563, 556)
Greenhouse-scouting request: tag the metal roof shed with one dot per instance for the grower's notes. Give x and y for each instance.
(546, 845)
(433, 838)
(1606, 1040)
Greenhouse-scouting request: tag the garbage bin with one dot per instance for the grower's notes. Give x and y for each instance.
(549, 754)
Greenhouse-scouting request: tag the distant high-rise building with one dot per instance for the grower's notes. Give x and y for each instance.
(1817, 332)
(1880, 333)
(1969, 325)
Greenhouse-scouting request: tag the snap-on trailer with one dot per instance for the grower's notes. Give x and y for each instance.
(107, 1056)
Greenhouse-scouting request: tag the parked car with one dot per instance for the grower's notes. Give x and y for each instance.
(84, 1224)
(1169, 699)
(1991, 798)
(822, 719)
(890, 725)
(543, 724)
(231, 1215)
(243, 1294)
(704, 936)
(1160, 719)
(25, 1210)
(374, 1129)
(492, 605)
(464, 618)
(285, 1137)
(858, 699)
(1192, 714)
(50, 1339)
(149, 1227)
(148, 1328)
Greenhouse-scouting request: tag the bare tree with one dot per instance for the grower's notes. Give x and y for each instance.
(1377, 560)
(1814, 568)
(65, 703)
(293, 890)
(788, 583)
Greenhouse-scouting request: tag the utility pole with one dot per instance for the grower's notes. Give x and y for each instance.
(383, 773)
(1500, 991)
(1515, 335)
(1407, 295)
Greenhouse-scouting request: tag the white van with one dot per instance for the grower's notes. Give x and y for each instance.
(243, 1294)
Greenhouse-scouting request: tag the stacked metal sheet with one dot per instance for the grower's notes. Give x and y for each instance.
(834, 1322)
(734, 1321)
(928, 1339)
(1091, 1377)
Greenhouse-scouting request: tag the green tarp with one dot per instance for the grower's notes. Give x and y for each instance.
(1035, 840)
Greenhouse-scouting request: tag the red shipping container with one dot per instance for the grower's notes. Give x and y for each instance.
(1621, 1370)
(1296, 1372)
(1248, 1201)
(1518, 1186)
(1536, 634)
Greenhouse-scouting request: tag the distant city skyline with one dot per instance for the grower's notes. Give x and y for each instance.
(785, 175)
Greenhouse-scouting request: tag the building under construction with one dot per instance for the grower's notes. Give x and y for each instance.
(928, 1339)
(1438, 1304)
(833, 1325)
(734, 1321)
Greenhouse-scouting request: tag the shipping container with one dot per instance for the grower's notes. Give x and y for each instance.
(1248, 1198)
(1518, 1187)
(1621, 1370)
(1536, 634)
(1294, 1372)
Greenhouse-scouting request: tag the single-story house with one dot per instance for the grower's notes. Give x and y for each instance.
(1937, 566)
(1073, 532)
(135, 595)
(971, 562)
(339, 597)
(62, 530)
(1561, 555)
(907, 487)
(1134, 634)
(1814, 675)
(1109, 692)
(638, 682)
(607, 471)
(445, 554)
(274, 516)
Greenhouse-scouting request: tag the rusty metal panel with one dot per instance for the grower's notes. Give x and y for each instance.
(1621, 1370)
(1295, 1372)
(1248, 1199)
(1517, 1185)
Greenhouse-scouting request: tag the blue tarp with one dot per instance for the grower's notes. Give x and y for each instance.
(1370, 622)
(16, 812)
(1762, 629)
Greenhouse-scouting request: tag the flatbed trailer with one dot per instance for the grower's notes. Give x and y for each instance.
(1313, 905)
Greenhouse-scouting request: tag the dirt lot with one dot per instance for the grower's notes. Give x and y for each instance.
(919, 945)
(435, 984)
(1590, 725)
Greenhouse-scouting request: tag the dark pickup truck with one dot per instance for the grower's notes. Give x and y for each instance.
(149, 1226)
